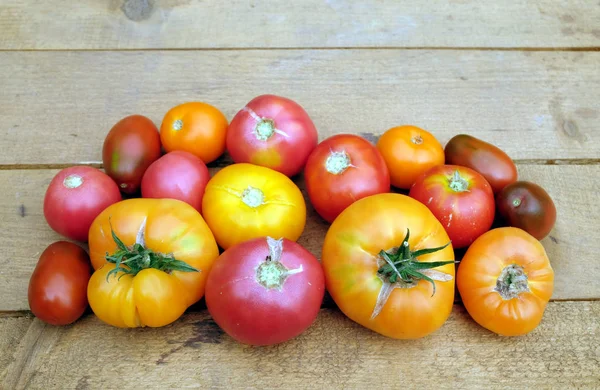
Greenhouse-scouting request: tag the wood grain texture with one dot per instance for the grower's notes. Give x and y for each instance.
(12, 330)
(573, 256)
(126, 24)
(534, 105)
(333, 353)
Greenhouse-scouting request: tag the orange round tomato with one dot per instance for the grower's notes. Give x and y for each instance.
(195, 127)
(244, 201)
(389, 266)
(152, 258)
(408, 152)
(505, 281)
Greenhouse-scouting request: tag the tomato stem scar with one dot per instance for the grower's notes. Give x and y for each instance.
(458, 183)
(253, 197)
(516, 202)
(265, 129)
(178, 125)
(512, 282)
(417, 139)
(73, 181)
(271, 273)
(337, 162)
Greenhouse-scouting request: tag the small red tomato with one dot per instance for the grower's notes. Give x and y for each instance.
(528, 206)
(129, 148)
(177, 175)
(487, 159)
(274, 132)
(342, 169)
(57, 291)
(75, 197)
(460, 198)
(265, 291)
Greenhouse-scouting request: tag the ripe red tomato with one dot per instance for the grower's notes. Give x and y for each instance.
(342, 169)
(274, 132)
(57, 291)
(487, 159)
(76, 196)
(528, 206)
(265, 291)
(460, 198)
(129, 148)
(177, 175)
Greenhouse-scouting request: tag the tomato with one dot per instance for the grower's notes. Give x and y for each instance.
(244, 201)
(460, 198)
(195, 127)
(342, 169)
(409, 151)
(274, 132)
(265, 291)
(410, 299)
(493, 163)
(528, 206)
(177, 175)
(152, 258)
(75, 196)
(505, 281)
(57, 287)
(130, 147)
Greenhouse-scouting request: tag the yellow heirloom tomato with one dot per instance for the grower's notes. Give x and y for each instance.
(151, 259)
(244, 201)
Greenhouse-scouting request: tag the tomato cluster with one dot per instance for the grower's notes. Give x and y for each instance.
(163, 232)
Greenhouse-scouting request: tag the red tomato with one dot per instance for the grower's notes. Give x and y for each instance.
(265, 291)
(177, 175)
(342, 169)
(274, 132)
(129, 148)
(75, 197)
(460, 198)
(57, 291)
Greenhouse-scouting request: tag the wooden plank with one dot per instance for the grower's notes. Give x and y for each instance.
(26, 234)
(333, 353)
(534, 105)
(12, 330)
(125, 24)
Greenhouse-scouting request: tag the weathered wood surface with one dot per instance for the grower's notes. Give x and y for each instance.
(573, 255)
(127, 24)
(534, 105)
(563, 352)
(12, 330)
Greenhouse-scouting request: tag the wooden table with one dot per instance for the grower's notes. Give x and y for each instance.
(522, 75)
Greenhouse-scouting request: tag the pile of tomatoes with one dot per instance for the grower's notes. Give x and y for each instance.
(163, 233)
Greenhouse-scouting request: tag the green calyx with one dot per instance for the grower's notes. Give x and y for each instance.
(131, 260)
(458, 183)
(405, 267)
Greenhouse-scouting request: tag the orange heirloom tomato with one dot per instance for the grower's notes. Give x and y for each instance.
(505, 281)
(197, 128)
(408, 152)
(152, 258)
(398, 284)
(244, 201)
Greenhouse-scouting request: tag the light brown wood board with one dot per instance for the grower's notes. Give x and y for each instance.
(57, 107)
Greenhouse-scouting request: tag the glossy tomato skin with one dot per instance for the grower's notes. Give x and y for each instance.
(464, 204)
(342, 169)
(256, 314)
(75, 196)
(152, 297)
(57, 287)
(350, 259)
(177, 175)
(409, 151)
(244, 201)
(528, 206)
(274, 132)
(506, 311)
(195, 127)
(130, 147)
(489, 160)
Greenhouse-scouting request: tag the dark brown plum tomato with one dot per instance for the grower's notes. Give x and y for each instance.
(129, 148)
(528, 206)
(487, 159)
